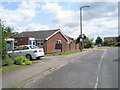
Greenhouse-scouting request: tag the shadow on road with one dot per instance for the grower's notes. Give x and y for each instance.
(117, 59)
(37, 59)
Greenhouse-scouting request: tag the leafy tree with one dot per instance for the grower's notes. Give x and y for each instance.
(78, 39)
(6, 32)
(106, 43)
(87, 43)
(98, 40)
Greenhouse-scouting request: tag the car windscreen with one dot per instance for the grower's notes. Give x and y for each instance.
(34, 47)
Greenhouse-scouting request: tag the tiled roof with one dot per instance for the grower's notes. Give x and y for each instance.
(37, 34)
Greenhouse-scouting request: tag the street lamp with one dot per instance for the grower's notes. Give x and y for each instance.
(81, 25)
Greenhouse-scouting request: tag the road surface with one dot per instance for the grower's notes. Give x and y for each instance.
(97, 69)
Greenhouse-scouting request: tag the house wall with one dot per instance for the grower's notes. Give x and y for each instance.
(22, 41)
(112, 39)
(50, 43)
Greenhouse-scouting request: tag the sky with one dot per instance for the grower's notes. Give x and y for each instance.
(100, 19)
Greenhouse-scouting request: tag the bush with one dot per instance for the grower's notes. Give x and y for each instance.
(21, 60)
(106, 43)
(87, 43)
(118, 44)
(7, 62)
(113, 43)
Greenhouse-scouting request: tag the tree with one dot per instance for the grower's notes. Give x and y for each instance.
(78, 39)
(6, 32)
(106, 43)
(98, 40)
(87, 43)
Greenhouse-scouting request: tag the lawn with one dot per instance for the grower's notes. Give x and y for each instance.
(63, 53)
(10, 68)
(100, 48)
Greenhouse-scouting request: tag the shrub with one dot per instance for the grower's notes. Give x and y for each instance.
(118, 44)
(21, 60)
(7, 62)
(114, 43)
(106, 43)
(87, 43)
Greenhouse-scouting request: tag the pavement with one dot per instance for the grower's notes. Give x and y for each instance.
(98, 69)
(31, 73)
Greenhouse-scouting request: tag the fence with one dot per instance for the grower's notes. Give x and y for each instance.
(69, 47)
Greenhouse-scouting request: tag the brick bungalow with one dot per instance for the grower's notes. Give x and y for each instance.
(112, 39)
(51, 40)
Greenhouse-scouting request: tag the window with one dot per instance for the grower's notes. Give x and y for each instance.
(19, 48)
(58, 42)
(34, 43)
(25, 47)
(40, 43)
(34, 47)
(15, 42)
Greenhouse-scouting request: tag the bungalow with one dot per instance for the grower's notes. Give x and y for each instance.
(51, 40)
(112, 39)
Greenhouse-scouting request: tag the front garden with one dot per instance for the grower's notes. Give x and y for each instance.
(11, 64)
(7, 63)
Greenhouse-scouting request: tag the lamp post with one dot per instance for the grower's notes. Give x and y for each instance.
(81, 25)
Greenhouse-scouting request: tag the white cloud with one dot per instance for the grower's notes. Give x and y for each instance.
(60, 16)
(51, 7)
(100, 21)
(23, 14)
(100, 27)
(32, 27)
(67, 19)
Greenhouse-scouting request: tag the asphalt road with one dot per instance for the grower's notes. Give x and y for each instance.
(98, 69)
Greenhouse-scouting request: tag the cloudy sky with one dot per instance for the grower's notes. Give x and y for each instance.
(100, 19)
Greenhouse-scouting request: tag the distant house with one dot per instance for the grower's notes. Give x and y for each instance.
(112, 39)
(51, 40)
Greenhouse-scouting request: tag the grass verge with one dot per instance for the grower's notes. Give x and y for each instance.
(100, 48)
(63, 53)
(10, 68)
(13, 67)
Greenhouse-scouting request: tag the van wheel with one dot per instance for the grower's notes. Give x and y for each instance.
(28, 56)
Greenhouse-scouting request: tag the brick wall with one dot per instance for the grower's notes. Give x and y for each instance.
(70, 47)
(50, 44)
(22, 41)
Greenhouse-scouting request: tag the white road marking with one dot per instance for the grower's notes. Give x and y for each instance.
(99, 66)
(61, 66)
